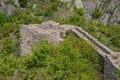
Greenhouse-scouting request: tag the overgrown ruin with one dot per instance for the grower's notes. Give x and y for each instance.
(54, 33)
(33, 33)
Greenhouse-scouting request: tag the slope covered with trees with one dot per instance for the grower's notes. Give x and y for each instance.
(69, 61)
(72, 59)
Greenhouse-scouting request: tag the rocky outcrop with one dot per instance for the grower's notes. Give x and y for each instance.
(77, 3)
(89, 5)
(34, 33)
(8, 6)
(111, 12)
(110, 9)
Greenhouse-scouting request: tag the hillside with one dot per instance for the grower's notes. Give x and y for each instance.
(72, 59)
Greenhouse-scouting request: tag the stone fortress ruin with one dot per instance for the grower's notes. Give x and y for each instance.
(33, 33)
(54, 33)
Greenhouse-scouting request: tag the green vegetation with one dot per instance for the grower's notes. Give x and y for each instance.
(108, 35)
(69, 60)
(79, 11)
(114, 34)
(3, 18)
(96, 14)
(23, 3)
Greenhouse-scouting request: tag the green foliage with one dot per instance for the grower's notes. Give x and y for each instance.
(6, 29)
(77, 20)
(96, 14)
(48, 12)
(7, 48)
(118, 74)
(79, 11)
(69, 60)
(114, 34)
(40, 55)
(54, 6)
(23, 3)
(3, 18)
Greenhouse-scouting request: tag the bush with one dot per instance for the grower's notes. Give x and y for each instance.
(69, 60)
(8, 46)
(114, 34)
(3, 18)
(77, 20)
(74, 18)
(6, 29)
(80, 11)
(23, 3)
(65, 61)
(54, 6)
(39, 55)
(96, 14)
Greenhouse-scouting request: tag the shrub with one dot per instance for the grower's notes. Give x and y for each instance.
(3, 18)
(96, 14)
(8, 46)
(64, 61)
(80, 11)
(38, 59)
(54, 6)
(23, 3)
(74, 18)
(114, 34)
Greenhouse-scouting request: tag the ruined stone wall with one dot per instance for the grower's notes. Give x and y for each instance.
(110, 60)
(32, 34)
(110, 71)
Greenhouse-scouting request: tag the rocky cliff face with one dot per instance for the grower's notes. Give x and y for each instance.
(111, 12)
(7, 6)
(110, 9)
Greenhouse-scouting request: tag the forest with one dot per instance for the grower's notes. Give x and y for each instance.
(69, 60)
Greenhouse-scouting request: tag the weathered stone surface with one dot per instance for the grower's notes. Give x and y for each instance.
(111, 12)
(63, 29)
(78, 4)
(110, 71)
(33, 33)
(66, 0)
(9, 7)
(89, 5)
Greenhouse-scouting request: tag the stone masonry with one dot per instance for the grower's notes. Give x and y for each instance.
(33, 33)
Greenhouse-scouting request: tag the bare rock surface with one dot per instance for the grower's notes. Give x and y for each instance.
(78, 4)
(8, 7)
(111, 12)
